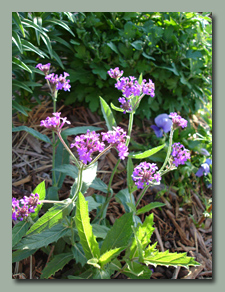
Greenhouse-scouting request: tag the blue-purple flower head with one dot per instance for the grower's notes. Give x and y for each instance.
(117, 139)
(204, 169)
(44, 68)
(55, 122)
(163, 124)
(178, 121)
(87, 144)
(59, 82)
(180, 154)
(125, 104)
(23, 207)
(115, 73)
(145, 174)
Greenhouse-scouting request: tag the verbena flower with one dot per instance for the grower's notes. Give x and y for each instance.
(55, 122)
(148, 88)
(60, 82)
(129, 86)
(23, 207)
(163, 124)
(44, 68)
(125, 104)
(178, 121)
(117, 139)
(87, 144)
(204, 169)
(180, 154)
(145, 173)
(115, 73)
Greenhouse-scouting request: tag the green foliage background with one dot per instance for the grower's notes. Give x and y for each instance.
(174, 49)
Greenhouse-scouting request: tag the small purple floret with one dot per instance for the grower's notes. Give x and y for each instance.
(145, 173)
(44, 68)
(180, 154)
(23, 207)
(55, 122)
(115, 73)
(178, 120)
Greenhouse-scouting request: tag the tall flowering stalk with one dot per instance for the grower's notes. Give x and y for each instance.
(55, 83)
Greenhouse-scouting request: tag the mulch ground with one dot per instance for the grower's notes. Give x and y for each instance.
(174, 227)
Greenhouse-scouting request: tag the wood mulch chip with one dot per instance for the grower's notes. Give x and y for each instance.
(174, 227)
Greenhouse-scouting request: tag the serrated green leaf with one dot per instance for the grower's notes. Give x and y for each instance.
(99, 185)
(123, 197)
(146, 153)
(101, 274)
(53, 216)
(119, 235)
(100, 230)
(92, 204)
(143, 233)
(87, 238)
(137, 271)
(19, 230)
(44, 238)
(109, 255)
(57, 263)
(149, 207)
(108, 115)
(170, 259)
(33, 132)
(20, 255)
(78, 254)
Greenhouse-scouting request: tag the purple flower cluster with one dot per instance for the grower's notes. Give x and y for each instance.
(44, 68)
(145, 173)
(163, 124)
(117, 139)
(55, 122)
(87, 144)
(178, 120)
(204, 168)
(130, 87)
(23, 207)
(59, 82)
(180, 154)
(115, 73)
(125, 104)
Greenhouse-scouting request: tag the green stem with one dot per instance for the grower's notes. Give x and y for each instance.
(53, 202)
(79, 183)
(168, 151)
(131, 119)
(141, 195)
(67, 148)
(54, 97)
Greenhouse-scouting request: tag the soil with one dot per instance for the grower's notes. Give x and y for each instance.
(175, 229)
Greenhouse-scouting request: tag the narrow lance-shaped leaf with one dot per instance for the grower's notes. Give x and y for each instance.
(108, 115)
(19, 230)
(20, 255)
(82, 220)
(149, 207)
(57, 263)
(16, 19)
(170, 259)
(44, 238)
(52, 217)
(146, 153)
(109, 255)
(119, 235)
(33, 132)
